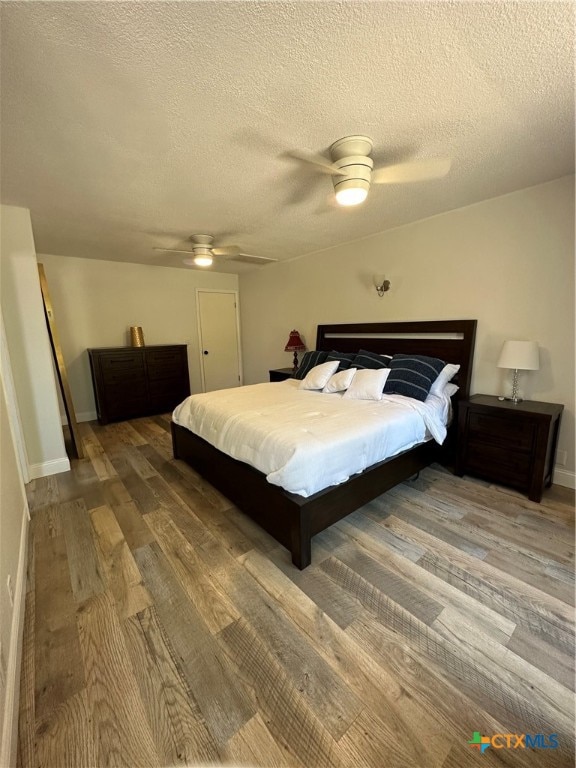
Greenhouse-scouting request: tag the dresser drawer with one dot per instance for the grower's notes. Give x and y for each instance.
(166, 394)
(122, 362)
(126, 406)
(499, 430)
(166, 363)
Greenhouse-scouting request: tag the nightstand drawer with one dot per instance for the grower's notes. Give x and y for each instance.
(501, 431)
(498, 464)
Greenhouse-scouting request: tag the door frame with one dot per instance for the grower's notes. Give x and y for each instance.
(199, 324)
(12, 407)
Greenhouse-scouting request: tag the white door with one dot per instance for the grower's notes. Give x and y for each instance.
(219, 339)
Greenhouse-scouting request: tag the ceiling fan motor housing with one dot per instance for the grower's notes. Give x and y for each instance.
(351, 156)
(358, 170)
(350, 146)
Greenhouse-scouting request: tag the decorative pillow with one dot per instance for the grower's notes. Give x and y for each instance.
(344, 358)
(367, 384)
(443, 409)
(319, 376)
(413, 375)
(446, 374)
(340, 381)
(309, 360)
(366, 359)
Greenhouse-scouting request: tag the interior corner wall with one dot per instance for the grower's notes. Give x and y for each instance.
(29, 345)
(95, 302)
(507, 261)
(13, 541)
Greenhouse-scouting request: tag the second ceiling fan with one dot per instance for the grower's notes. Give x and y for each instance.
(353, 170)
(202, 254)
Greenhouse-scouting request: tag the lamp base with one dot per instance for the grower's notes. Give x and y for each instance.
(512, 399)
(295, 368)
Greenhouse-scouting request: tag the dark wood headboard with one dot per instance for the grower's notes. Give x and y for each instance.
(450, 340)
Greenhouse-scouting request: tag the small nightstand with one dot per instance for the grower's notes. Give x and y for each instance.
(506, 443)
(279, 374)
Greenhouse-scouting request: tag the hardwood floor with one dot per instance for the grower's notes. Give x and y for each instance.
(163, 627)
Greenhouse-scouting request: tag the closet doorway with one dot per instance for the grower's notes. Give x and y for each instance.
(219, 337)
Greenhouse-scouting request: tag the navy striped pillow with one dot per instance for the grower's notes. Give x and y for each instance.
(366, 359)
(309, 361)
(344, 359)
(412, 375)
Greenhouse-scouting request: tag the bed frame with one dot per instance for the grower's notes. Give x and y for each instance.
(293, 520)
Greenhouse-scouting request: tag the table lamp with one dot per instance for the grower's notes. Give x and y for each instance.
(519, 356)
(294, 344)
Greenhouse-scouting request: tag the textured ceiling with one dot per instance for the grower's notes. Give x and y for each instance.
(128, 125)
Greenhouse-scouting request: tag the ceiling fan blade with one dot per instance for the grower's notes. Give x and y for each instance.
(417, 170)
(174, 250)
(226, 250)
(320, 163)
(247, 258)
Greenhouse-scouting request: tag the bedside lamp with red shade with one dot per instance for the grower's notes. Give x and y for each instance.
(295, 344)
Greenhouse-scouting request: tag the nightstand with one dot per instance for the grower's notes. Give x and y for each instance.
(507, 443)
(279, 374)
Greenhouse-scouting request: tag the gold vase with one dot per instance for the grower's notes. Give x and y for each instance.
(136, 336)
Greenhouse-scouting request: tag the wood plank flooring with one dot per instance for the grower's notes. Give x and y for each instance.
(163, 627)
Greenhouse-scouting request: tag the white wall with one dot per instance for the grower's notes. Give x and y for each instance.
(508, 262)
(96, 302)
(29, 345)
(13, 539)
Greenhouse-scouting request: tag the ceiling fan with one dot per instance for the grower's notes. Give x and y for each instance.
(353, 170)
(202, 253)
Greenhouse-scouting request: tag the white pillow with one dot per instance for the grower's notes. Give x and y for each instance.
(367, 384)
(318, 377)
(340, 381)
(446, 374)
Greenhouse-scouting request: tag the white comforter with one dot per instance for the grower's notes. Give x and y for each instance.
(303, 440)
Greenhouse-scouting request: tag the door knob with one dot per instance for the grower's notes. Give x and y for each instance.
(205, 351)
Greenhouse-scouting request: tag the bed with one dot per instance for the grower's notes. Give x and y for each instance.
(293, 519)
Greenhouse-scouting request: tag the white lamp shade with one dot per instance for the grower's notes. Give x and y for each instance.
(519, 355)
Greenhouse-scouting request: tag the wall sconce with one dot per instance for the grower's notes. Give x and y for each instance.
(381, 284)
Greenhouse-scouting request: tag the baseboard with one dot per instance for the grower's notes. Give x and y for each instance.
(564, 477)
(49, 468)
(87, 416)
(83, 416)
(8, 747)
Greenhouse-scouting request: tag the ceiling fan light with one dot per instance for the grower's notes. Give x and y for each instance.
(203, 261)
(351, 195)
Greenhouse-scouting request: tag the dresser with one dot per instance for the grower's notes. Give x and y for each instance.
(507, 443)
(138, 381)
